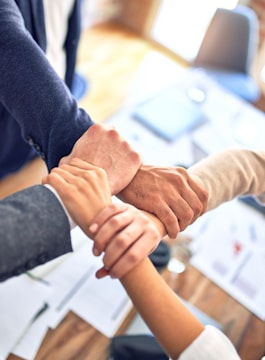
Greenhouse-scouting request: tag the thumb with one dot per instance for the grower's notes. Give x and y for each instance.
(64, 160)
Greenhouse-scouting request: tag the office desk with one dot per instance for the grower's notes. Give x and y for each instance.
(73, 338)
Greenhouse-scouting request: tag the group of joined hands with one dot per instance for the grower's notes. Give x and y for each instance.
(155, 200)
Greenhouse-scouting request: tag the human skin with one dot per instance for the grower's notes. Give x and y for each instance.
(173, 325)
(104, 147)
(125, 249)
(245, 169)
(83, 188)
(167, 192)
(49, 118)
(170, 321)
(128, 236)
(79, 181)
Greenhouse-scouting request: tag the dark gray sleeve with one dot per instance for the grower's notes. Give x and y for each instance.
(33, 94)
(33, 230)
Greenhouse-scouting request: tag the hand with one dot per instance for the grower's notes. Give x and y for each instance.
(104, 147)
(169, 193)
(126, 235)
(83, 188)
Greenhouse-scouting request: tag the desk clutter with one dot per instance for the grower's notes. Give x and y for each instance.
(228, 243)
(49, 292)
(209, 117)
(229, 248)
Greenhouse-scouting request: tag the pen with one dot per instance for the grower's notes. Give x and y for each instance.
(40, 312)
(37, 278)
(44, 307)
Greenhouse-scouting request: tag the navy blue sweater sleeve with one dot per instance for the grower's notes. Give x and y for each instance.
(32, 92)
(33, 230)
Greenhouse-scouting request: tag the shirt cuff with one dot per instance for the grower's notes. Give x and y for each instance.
(260, 199)
(209, 345)
(71, 221)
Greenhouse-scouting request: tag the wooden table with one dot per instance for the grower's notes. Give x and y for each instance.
(110, 55)
(75, 339)
(245, 330)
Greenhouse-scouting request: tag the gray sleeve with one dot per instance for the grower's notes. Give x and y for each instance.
(33, 230)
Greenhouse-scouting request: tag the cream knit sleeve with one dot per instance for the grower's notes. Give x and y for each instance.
(230, 173)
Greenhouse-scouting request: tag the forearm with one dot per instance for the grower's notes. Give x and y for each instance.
(33, 230)
(225, 175)
(169, 320)
(179, 333)
(231, 173)
(32, 92)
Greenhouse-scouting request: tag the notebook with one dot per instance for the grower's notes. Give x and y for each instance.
(169, 114)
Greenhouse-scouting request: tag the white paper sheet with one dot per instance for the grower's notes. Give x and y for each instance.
(102, 303)
(29, 344)
(106, 308)
(232, 253)
(72, 285)
(20, 300)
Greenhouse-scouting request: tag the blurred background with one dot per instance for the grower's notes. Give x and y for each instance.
(177, 25)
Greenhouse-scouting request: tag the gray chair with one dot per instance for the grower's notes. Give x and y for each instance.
(228, 50)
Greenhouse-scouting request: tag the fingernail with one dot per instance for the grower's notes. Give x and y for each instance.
(96, 251)
(93, 228)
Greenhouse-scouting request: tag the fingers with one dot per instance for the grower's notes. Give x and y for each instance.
(79, 167)
(118, 266)
(169, 217)
(76, 167)
(202, 195)
(104, 147)
(81, 175)
(81, 164)
(185, 200)
(125, 239)
(126, 236)
(105, 214)
(70, 181)
(56, 181)
(192, 202)
(65, 185)
(107, 228)
(102, 272)
(83, 189)
(169, 193)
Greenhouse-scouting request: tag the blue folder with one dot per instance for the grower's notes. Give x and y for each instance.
(169, 114)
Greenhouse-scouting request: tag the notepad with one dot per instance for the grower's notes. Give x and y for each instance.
(169, 114)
